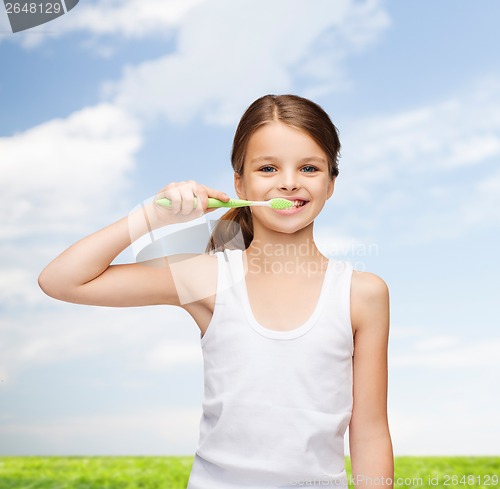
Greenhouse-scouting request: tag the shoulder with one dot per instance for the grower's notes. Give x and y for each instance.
(195, 276)
(367, 286)
(192, 261)
(369, 298)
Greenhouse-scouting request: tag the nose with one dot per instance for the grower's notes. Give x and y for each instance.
(288, 180)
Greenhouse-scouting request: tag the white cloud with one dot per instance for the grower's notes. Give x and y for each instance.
(428, 172)
(18, 286)
(481, 203)
(402, 332)
(4, 23)
(335, 244)
(152, 338)
(460, 131)
(147, 339)
(457, 430)
(61, 174)
(131, 19)
(168, 354)
(150, 431)
(22, 262)
(259, 47)
(62, 177)
(434, 388)
(446, 353)
(436, 342)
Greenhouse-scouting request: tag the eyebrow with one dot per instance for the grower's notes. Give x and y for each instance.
(273, 159)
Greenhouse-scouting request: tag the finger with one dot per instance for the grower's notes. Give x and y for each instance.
(171, 192)
(187, 192)
(217, 194)
(161, 194)
(176, 199)
(202, 196)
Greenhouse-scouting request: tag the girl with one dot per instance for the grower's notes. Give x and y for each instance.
(294, 343)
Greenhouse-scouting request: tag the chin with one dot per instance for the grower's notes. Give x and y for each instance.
(290, 228)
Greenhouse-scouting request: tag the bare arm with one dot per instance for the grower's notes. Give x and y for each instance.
(369, 437)
(83, 273)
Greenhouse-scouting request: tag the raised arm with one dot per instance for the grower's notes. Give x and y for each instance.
(83, 273)
(369, 437)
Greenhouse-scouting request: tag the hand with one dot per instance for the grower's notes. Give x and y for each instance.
(183, 209)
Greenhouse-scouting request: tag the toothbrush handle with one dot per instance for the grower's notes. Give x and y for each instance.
(212, 203)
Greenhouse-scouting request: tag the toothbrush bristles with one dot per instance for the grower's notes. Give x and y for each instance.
(279, 203)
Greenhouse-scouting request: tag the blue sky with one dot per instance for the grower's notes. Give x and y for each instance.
(105, 105)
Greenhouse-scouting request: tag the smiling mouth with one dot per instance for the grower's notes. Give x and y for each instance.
(297, 204)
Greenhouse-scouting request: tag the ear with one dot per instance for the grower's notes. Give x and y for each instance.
(331, 186)
(238, 186)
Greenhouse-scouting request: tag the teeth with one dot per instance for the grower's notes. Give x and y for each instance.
(298, 203)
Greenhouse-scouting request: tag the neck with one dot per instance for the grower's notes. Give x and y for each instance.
(271, 247)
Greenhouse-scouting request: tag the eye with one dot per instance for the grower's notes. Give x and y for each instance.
(312, 169)
(264, 167)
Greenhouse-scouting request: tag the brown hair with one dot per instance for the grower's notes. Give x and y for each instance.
(235, 228)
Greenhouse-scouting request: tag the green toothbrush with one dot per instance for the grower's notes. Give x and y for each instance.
(277, 203)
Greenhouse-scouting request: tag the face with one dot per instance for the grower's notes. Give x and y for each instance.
(282, 161)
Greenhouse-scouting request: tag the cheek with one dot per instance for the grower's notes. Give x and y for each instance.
(262, 214)
(255, 190)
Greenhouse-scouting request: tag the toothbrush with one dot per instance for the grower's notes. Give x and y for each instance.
(276, 203)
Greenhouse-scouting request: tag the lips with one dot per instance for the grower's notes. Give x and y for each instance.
(297, 201)
(294, 198)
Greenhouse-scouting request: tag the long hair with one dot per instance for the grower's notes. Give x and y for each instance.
(235, 228)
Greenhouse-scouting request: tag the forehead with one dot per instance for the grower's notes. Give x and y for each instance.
(282, 141)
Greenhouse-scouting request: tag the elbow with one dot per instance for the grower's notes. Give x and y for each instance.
(50, 285)
(45, 283)
(56, 285)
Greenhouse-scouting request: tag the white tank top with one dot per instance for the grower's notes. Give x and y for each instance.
(276, 403)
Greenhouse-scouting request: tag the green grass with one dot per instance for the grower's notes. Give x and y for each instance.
(173, 472)
(444, 472)
(94, 472)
